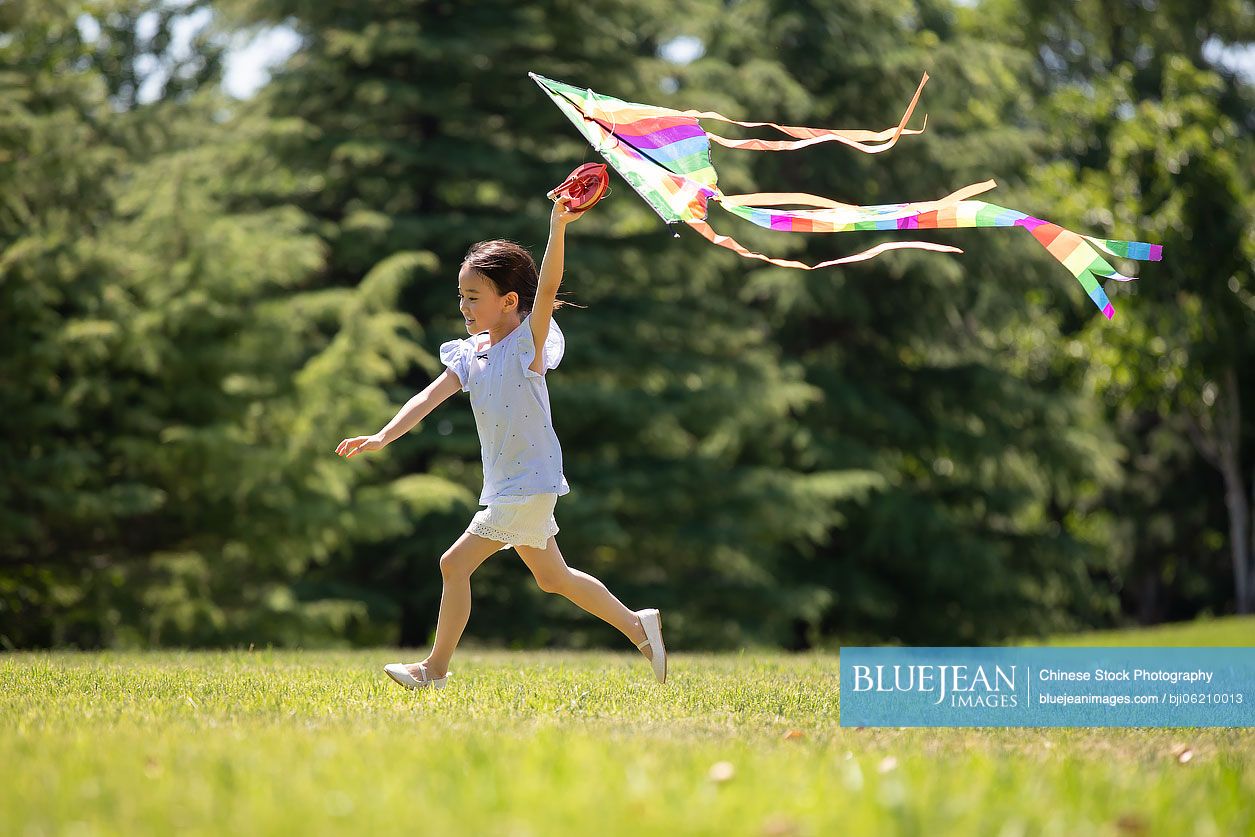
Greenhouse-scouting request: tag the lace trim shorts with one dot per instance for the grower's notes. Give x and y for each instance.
(515, 521)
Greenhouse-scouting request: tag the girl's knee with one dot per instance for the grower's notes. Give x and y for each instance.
(554, 582)
(454, 565)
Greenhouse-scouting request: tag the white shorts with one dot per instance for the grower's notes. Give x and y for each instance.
(515, 521)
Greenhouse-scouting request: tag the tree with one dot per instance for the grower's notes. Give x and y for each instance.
(948, 378)
(133, 43)
(167, 377)
(1154, 137)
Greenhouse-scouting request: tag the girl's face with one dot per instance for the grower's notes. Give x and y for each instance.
(481, 306)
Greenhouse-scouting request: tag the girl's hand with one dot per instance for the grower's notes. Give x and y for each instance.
(359, 444)
(562, 216)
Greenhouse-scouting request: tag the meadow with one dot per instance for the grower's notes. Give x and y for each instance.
(560, 742)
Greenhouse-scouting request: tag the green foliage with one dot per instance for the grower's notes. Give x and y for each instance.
(133, 43)
(947, 377)
(169, 378)
(1153, 142)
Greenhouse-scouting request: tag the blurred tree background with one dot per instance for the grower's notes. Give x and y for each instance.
(201, 295)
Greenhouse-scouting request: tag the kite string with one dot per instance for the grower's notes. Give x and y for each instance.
(612, 134)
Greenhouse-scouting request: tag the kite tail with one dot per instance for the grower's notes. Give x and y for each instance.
(1079, 254)
(761, 200)
(731, 244)
(869, 142)
(1136, 250)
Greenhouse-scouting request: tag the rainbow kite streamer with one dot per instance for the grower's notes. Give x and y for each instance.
(664, 155)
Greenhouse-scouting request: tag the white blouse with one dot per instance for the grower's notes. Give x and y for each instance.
(519, 448)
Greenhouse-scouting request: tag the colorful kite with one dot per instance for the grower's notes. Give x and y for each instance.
(665, 155)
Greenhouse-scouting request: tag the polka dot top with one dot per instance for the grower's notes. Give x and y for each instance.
(519, 447)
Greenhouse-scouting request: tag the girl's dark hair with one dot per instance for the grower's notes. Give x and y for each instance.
(509, 267)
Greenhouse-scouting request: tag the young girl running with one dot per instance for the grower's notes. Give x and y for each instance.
(508, 310)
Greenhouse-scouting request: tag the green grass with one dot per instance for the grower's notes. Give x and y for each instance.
(1227, 631)
(271, 742)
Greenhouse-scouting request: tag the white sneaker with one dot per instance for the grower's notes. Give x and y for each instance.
(651, 621)
(400, 673)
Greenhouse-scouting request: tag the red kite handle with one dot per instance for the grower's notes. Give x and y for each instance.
(583, 187)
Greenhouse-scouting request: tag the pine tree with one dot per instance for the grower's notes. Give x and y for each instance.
(55, 169)
(169, 378)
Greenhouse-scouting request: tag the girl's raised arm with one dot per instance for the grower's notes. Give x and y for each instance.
(550, 277)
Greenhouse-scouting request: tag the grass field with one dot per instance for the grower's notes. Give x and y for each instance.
(270, 742)
(1226, 630)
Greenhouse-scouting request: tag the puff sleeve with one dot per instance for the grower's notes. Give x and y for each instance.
(455, 355)
(555, 347)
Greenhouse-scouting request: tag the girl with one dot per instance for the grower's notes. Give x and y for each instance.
(508, 310)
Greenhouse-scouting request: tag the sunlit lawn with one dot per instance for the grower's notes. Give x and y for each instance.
(270, 742)
(1227, 630)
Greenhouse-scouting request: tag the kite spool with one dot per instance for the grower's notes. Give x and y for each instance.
(583, 187)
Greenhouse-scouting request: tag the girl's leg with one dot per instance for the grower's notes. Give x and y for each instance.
(456, 566)
(554, 576)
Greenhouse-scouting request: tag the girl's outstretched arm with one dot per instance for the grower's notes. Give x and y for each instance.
(550, 278)
(414, 411)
